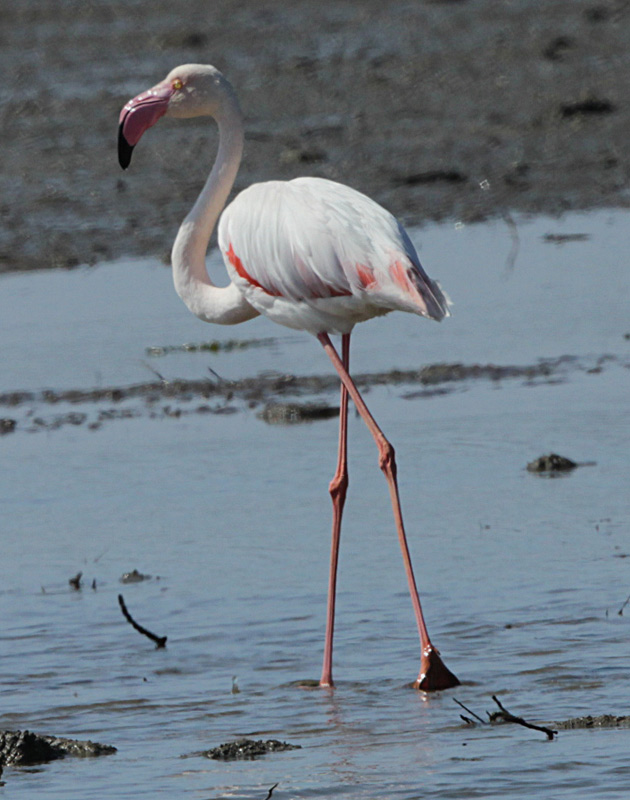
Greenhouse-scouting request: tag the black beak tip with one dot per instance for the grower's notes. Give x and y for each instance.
(124, 149)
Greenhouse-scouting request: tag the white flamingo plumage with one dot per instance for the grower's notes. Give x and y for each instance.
(310, 254)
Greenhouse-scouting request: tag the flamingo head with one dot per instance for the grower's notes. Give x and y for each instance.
(191, 90)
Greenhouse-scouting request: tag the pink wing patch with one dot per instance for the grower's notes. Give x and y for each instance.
(236, 262)
(315, 287)
(366, 277)
(399, 275)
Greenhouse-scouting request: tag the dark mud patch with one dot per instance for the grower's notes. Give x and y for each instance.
(437, 110)
(296, 413)
(551, 463)
(22, 748)
(7, 425)
(214, 346)
(134, 577)
(554, 465)
(277, 393)
(601, 721)
(587, 106)
(248, 749)
(75, 582)
(565, 238)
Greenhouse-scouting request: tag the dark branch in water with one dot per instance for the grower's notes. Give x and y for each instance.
(155, 372)
(506, 716)
(476, 716)
(160, 641)
(503, 715)
(216, 375)
(620, 612)
(271, 791)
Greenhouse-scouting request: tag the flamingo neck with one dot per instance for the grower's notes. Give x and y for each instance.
(223, 305)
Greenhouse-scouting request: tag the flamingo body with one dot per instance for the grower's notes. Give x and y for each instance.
(310, 254)
(318, 256)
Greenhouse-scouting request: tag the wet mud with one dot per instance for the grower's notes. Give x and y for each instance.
(7, 425)
(248, 749)
(601, 721)
(551, 463)
(436, 109)
(134, 577)
(296, 413)
(22, 748)
(32, 410)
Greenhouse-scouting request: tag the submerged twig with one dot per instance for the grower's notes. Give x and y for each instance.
(476, 716)
(98, 558)
(502, 715)
(620, 612)
(156, 373)
(507, 716)
(216, 375)
(160, 641)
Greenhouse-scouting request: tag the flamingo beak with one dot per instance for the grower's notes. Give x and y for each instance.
(137, 116)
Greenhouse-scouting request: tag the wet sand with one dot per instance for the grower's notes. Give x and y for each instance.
(437, 109)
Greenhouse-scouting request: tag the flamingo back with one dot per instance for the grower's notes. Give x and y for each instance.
(319, 256)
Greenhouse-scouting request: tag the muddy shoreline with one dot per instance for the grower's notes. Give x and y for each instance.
(283, 399)
(438, 110)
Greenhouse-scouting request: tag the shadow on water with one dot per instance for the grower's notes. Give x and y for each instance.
(521, 578)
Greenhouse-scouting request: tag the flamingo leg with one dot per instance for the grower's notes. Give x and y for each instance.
(338, 488)
(434, 674)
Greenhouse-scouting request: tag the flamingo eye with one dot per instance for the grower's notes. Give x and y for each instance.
(177, 84)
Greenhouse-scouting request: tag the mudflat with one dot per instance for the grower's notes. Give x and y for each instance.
(437, 109)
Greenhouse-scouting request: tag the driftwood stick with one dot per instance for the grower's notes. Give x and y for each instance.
(506, 716)
(160, 641)
(271, 791)
(620, 612)
(476, 716)
(156, 373)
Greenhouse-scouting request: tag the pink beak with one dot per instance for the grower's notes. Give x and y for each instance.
(137, 116)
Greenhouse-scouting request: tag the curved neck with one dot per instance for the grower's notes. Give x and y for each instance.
(211, 303)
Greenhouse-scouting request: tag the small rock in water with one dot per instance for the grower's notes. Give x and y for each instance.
(7, 425)
(76, 581)
(134, 577)
(248, 749)
(21, 748)
(551, 463)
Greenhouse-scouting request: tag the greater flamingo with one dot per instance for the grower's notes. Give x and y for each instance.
(310, 254)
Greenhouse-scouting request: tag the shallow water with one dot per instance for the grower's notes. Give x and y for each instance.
(521, 576)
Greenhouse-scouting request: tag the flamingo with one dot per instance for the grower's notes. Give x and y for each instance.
(310, 254)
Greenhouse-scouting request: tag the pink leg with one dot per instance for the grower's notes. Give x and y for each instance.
(433, 674)
(338, 488)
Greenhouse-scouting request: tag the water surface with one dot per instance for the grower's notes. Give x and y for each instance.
(521, 576)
